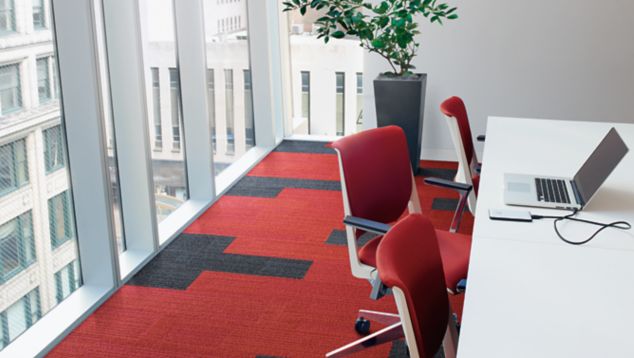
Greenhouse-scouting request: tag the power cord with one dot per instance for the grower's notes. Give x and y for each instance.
(622, 225)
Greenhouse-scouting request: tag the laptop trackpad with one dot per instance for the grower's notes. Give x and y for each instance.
(519, 187)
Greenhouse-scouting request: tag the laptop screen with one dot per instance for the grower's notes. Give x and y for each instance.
(600, 164)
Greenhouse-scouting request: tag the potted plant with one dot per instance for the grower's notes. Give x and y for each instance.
(387, 28)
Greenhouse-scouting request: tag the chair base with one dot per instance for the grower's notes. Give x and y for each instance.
(393, 331)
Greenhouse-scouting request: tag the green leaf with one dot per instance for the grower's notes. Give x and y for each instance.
(452, 16)
(338, 34)
(382, 9)
(378, 43)
(302, 10)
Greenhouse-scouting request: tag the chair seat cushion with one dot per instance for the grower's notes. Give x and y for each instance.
(454, 250)
(367, 252)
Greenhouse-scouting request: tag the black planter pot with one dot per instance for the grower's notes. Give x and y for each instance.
(401, 101)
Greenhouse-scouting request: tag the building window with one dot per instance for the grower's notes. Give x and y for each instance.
(7, 16)
(340, 104)
(14, 171)
(67, 280)
(10, 91)
(38, 14)
(53, 149)
(231, 143)
(17, 249)
(60, 219)
(19, 317)
(359, 101)
(176, 110)
(249, 126)
(211, 99)
(306, 97)
(156, 108)
(43, 80)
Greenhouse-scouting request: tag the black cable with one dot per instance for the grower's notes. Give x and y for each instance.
(622, 225)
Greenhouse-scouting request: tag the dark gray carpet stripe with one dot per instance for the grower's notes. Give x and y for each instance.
(180, 263)
(444, 204)
(338, 237)
(448, 174)
(268, 187)
(299, 146)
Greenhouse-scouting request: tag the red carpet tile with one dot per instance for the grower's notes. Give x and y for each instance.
(298, 166)
(236, 315)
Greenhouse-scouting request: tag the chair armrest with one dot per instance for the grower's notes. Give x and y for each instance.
(481, 138)
(450, 184)
(367, 225)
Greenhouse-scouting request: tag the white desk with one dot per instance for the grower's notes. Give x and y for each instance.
(530, 294)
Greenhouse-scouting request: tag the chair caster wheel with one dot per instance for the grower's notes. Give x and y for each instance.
(362, 326)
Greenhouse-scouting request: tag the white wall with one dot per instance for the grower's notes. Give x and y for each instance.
(566, 59)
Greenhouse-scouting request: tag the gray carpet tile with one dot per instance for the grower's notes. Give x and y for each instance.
(444, 204)
(182, 261)
(269, 187)
(299, 146)
(338, 237)
(448, 174)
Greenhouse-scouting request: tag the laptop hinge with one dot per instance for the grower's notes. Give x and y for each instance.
(580, 200)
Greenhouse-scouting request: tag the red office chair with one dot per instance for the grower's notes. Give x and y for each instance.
(378, 187)
(409, 261)
(469, 167)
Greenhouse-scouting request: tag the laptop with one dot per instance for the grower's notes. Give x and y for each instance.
(567, 193)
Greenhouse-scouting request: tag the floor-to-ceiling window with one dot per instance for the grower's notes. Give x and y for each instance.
(37, 218)
(317, 70)
(164, 105)
(229, 81)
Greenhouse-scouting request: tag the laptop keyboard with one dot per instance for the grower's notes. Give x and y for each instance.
(552, 190)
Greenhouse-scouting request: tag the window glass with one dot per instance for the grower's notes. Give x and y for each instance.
(19, 316)
(175, 105)
(340, 102)
(314, 68)
(67, 281)
(7, 16)
(35, 190)
(359, 101)
(60, 220)
(17, 248)
(38, 14)
(169, 168)
(53, 149)
(249, 130)
(229, 81)
(10, 91)
(306, 98)
(13, 166)
(43, 80)
(156, 108)
(211, 100)
(229, 111)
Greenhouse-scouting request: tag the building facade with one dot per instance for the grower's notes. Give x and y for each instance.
(38, 252)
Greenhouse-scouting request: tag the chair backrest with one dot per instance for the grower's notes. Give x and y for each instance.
(456, 113)
(409, 261)
(453, 107)
(375, 173)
